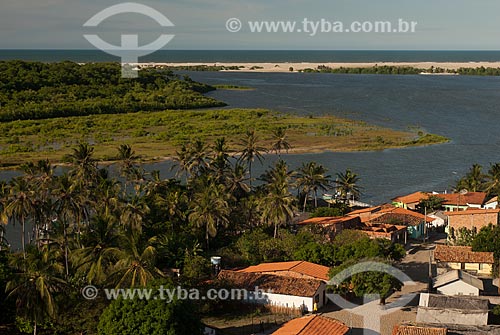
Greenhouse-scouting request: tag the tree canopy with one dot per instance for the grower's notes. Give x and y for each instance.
(33, 90)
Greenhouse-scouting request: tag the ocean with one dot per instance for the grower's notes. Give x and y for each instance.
(259, 56)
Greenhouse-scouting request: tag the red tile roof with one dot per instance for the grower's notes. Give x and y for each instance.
(475, 198)
(381, 229)
(459, 254)
(400, 215)
(411, 198)
(492, 200)
(313, 325)
(327, 220)
(300, 287)
(301, 267)
(411, 330)
(473, 211)
(364, 210)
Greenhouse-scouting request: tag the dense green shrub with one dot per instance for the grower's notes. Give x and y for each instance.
(31, 90)
(149, 317)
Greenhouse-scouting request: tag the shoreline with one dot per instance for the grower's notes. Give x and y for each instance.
(300, 66)
(303, 150)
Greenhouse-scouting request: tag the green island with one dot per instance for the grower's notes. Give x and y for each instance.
(45, 109)
(33, 90)
(156, 135)
(401, 70)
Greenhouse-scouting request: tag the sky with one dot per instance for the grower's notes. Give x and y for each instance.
(201, 24)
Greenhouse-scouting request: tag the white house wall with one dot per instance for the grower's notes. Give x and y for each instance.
(290, 301)
(458, 288)
(452, 316)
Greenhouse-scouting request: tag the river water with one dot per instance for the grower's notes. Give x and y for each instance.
(463, 108)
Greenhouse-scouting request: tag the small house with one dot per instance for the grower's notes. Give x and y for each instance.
(458, 282)
(453, 310)
(462, 201)
(273, 290)
(472, 219)
(393, 233)
(410, 201)
(332, 226)
(297, 269)
(415, 222)
(463, 258)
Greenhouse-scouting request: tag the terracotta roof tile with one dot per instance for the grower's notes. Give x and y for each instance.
(301, 267)
(300, 287)
(476, 198)
(459, 254)
(492, 200)
(364, 210)
(313, 325)
(412, 330)
(411, 198)
(381, 229)
(399, 215)
(327, 220)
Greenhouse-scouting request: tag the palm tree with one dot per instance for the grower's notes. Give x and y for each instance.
(20, 205)
(347, 185)
(474, 180)
(134, 212)
(493, 183)
(199, 157)
(100, 249)
(236, 181)
(312, 177)
(251, 150)
(137, 262)
(220, 160)
(209, 208)
(280, 141)
(108, 196)
(277, 204)
(69, 206)
(40, 177)
(36, 282)
(127, 156)
(84, 166)
(182, 158)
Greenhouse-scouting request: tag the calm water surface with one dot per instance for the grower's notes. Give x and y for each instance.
(465, 109)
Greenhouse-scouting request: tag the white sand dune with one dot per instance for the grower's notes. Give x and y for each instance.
(285, 67)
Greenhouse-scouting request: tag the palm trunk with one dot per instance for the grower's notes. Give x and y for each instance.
(207, 238)
(66, 265)
(275, 229)
(23, 236)
(250, 172)
(34, 328)
(305, 203)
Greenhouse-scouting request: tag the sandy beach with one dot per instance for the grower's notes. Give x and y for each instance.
(285, 67)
